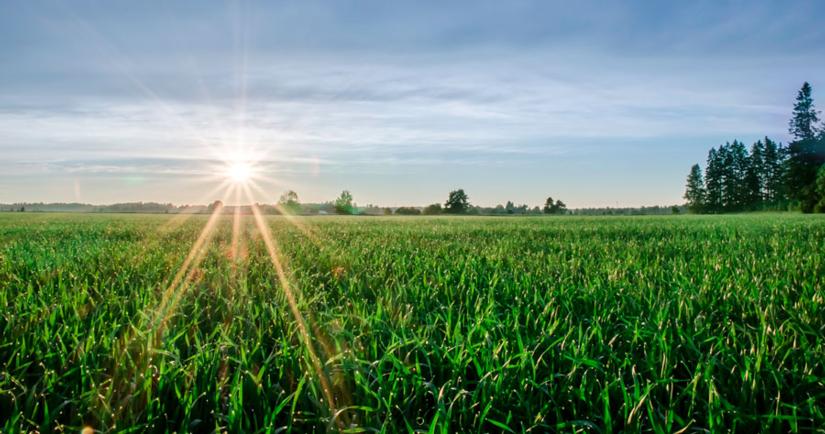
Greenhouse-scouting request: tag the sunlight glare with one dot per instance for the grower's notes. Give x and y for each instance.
(239, 172)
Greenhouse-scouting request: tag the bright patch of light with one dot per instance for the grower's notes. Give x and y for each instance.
(239, 172)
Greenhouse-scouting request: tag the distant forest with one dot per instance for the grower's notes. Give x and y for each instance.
(769, 175)
(329, 208)
(457, 203)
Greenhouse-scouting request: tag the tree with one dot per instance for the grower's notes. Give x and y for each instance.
(803, 123)
(774, 163)
(695, 190)
(215, 205)
(557, 207)
(510, 208)
(755, 176)
(343, 205)
(820, 189)
(433, 209)
(806, 154)
(713, 182)
(457, 202)
(805, 157)
(736, 174)
(561, 208)
(289, 202)
(549, 205)
(725, 161)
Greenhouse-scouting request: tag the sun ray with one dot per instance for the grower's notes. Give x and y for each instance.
(274, 253)
(193, 259)
(328, 250)
(117, 397)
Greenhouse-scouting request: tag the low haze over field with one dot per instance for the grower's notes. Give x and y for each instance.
(601, 104)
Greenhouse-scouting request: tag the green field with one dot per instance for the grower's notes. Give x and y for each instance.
(655, 324)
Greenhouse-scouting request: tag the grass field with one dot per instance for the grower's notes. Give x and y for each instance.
(655, 324)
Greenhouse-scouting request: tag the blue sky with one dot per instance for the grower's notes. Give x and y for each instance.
(596, 103)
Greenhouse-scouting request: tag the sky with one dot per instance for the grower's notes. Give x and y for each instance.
(594, 103)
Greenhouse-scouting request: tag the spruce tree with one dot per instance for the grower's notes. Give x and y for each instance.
(713, 182)
(820, 189)
(737, 182)
(727, 177)
(755, 176)
(695, 190)
(774, 173)
(805, 154)
(803, 123)
(805, 157)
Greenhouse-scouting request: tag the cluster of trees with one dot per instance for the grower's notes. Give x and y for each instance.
(289, 203)
(344, 203)
(557, 207)
(738, 179)
(458, 202)
(768, 175)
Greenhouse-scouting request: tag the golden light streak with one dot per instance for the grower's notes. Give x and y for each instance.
(120, 380)
(275, 257)
(307, 230)
(196, 251)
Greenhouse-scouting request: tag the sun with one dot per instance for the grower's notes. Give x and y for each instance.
(239, 172)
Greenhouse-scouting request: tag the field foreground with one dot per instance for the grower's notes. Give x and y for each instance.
(661, 324)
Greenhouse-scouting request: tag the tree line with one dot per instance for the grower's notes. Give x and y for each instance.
(768, 175)
(289, 203)
(457, 203)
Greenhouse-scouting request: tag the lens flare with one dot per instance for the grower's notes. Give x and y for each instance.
(239, 172)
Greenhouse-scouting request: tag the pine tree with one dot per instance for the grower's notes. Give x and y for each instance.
(805, 157)
(774, 173)
(713, 182)
(695, 190)
(755, 176)
(738, 172)
(820, 189)
(803, 123)
(727, 177)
